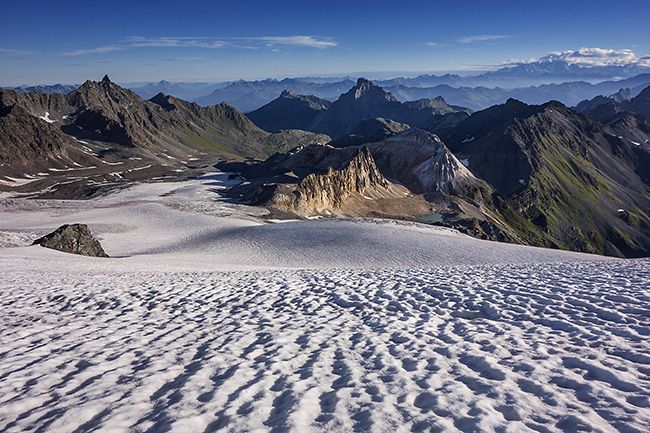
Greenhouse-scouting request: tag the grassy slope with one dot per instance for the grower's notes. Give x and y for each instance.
(574, 194)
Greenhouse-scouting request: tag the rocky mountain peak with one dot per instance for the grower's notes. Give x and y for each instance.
(363, 84)
(422, 162)
(288, 94)
(366, 89)
(324, 192)
(640, 104)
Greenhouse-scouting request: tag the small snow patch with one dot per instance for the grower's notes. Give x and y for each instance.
(16, 181)
(522, 181)
(467, 140)
(637, 143)
(139, 168)
(465, 162)
(46, 117)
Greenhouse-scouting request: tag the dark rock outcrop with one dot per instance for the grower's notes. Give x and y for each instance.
(640, 104)
(370, 131)
(74, 239)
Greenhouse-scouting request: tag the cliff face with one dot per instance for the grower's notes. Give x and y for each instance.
(319, 193)
(422, 162)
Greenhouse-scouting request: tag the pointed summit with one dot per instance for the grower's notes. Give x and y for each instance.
(106, 79)
(361, 82)
(363, 101)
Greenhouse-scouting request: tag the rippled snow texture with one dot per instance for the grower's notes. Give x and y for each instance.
(509, 348)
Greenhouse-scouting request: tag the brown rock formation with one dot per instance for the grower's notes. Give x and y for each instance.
(318, 193)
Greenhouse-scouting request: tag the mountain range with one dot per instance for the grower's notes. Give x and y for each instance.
(533, 82)
(363, 102)
(463, 91)
(541, 174)
(545, 175)
(101, 125)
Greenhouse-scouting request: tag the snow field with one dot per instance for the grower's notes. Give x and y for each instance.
(556, 347)
(207, 319)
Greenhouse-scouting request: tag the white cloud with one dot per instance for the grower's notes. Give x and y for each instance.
(134, 42)
(481, 38)
(303, 41)
(588, 57)
(434, 44)
(96, 50)
(139, 41)
(10, 51)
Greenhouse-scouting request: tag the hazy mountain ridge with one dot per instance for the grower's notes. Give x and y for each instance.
(351, 113)
(533, 83)
(43, 88)
(289, 111)
(250, 95)
(181, 90)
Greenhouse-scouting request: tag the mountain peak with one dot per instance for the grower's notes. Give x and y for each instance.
(288, 94)
(362, 82)
(365, 87)
(106, 79)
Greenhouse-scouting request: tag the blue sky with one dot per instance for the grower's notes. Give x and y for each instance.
(46, 42)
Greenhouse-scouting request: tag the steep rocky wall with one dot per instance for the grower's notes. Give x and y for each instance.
(321, 192)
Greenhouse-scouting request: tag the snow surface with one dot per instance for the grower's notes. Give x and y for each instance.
(465, 162)
(46, 117)
(207, 318)
(15, 181)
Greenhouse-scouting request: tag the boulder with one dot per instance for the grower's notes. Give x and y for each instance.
(73, 238)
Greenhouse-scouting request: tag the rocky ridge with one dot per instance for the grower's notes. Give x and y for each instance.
(563, 179)
(289, 111)
(350, 113)
(326, 193)
(100, 126)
